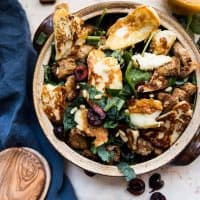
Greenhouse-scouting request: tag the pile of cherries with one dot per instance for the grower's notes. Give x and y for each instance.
(137, 187)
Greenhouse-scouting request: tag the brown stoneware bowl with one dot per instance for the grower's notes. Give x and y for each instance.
(166, 157)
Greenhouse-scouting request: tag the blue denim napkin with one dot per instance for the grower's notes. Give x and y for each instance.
(18, 123)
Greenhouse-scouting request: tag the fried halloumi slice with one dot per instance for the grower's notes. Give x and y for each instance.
(143, 113)
(150, 61)
(67, 28)
(103, 72)
(98, 132)
(134, 28)
(53, 101)
(175, 122)
(162, 42)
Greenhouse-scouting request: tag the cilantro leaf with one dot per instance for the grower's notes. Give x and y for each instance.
(68, 120)
(126, 170)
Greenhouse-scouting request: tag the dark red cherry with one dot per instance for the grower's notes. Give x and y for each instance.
(81, 73)
(157, 196)
(136, 186)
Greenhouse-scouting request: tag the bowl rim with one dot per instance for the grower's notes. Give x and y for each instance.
(85, 163)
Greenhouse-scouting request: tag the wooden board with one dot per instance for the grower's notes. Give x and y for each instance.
(24, 175)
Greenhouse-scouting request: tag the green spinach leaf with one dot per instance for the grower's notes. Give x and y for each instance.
(68, 120)
(90, 89)
(114, 102)
(126, 170)
(110, 124)
(133, 76)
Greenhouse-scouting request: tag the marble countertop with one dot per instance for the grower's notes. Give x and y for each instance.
(181, 183)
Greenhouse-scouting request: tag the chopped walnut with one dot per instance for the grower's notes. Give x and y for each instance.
(77, 140)
(65, 67)
(189, 88)
(170, 69)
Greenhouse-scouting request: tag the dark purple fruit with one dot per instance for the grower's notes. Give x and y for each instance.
(97, 109)
(157, 196)
(93, 118)
(81, 73)
(136, 186)
(59, 132)
(155, 182)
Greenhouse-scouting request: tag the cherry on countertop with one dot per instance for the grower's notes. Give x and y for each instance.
(157, 196)
(136, 186)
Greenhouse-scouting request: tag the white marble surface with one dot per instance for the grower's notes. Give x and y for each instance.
(181, 183)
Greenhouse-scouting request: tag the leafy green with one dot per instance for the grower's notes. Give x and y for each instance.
(68, 120)
(171, 81)
(105, 155)
(128, 56)
(93, 40)
(195, 24)
(119, 56)
(126, 170)
(114, 102)
(189, 22)
(47, 73)
(90, 89)
(133, 76)
(100, 19)
(110, 124)
(41, 38)
(123, 93)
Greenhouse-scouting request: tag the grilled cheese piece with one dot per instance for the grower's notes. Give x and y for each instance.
(98, 132)
(134, 28)
(162, 42)
(67, 29)
(150, 61)
(143, 113)
(53, 101)
(104, 72)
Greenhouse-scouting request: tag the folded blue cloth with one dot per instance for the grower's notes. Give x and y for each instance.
(18, 123)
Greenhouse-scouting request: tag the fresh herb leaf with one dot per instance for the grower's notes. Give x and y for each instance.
(93, 40)
(100, 19)
(41, 38)
(123, 93)
(105, 155)
(68, 120)
(195, 24)
(189, 22)
(90, 89)
(148, 42)
(171, 81)
(110, 124)
(128, 56)
(126, 170)
(133, 76)
(53, 55)
(119, 56)
(47, 73)
(93, 149)
(114, 102)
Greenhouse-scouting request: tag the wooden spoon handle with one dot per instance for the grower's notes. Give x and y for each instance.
(190, 153)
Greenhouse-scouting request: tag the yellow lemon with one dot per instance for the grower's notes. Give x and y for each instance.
(185, 7)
